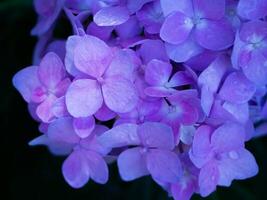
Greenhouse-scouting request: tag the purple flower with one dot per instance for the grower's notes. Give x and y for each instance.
(221, 157)
(85, 161)
(204, 19)
(252, 9)
(43, 84)
(250, 51)
(108, 80)
(179, 97)
(153, 154)
(157, 75)
(187, 185)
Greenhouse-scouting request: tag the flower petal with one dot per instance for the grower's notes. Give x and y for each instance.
(156, 135)
(183, 51)
(97, 167)
(104, 114)
(84, 126)
(119, 94)
(256, 69)
(157, 73)
(170, 6)
(208, 179)
(176, 28)
(210, 9)
(237, 88)
(228, 137)
(212, 76)
(252, 9)
(45, 110)
(55, 147)
(26, 82)
(214, 35)
(124, 63)
(239, 165)
(71, 44)
(119, 136)
(164, 165)
(83, 98)
(201, 148)
(159, 91)
(111, 16)
(75, 170)
(92, 56)
(132, 164)
(51, 70)
(252, 30)
(62, 130)
(153, 49)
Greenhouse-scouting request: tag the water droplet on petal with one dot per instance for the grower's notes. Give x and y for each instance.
(233, 155)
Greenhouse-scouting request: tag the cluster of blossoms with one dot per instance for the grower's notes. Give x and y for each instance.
(167, 88)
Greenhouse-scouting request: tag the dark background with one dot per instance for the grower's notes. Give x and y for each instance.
(33, 173)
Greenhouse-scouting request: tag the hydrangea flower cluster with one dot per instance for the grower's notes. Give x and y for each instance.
(167, 88)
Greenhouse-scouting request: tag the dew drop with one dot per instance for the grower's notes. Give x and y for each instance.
(233, 155)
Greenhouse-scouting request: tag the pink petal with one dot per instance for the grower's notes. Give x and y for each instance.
(237, 88)
(156, 135)
(164, 165)
(214, 35)
(176, 28)
(59, 108)
(51, 70)
(132, 164)
(111, 16)
(84, 126)
(92, 56)
(83, 98)
(44, 110)
(119, 94)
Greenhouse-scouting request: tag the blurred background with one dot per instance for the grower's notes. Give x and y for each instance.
(33, 173)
